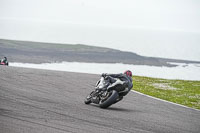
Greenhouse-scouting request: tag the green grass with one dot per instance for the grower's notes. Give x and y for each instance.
(178, 91)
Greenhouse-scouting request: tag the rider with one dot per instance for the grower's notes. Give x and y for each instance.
(124, 79)
(4, 60)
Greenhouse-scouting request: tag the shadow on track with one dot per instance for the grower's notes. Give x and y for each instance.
(116, 109)
(122, 109)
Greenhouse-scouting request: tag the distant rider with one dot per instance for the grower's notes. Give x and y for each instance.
(125, 79)
(4, 60)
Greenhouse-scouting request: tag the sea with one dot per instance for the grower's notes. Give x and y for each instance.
(182, 71)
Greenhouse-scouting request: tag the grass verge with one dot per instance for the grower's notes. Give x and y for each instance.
(178, 91)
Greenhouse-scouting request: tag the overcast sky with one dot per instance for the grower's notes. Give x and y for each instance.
(141, 26)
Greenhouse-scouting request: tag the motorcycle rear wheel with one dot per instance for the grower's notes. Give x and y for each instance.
(105, 103)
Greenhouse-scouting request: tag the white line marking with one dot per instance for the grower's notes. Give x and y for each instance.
(163, 100)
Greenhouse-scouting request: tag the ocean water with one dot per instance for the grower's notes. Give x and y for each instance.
(182, 71)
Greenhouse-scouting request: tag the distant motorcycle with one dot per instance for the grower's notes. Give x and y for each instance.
(105, 97)
(2, 63)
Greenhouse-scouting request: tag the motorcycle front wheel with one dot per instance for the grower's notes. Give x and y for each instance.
(88, 98)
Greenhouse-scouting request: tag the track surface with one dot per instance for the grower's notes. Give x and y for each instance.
(34, 100)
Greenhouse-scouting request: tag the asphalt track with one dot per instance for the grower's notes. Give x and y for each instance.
(42, 101)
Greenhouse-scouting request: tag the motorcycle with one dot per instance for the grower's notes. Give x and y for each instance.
(105, 96)
(2, 63)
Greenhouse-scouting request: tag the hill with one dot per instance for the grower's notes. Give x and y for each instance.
(37, 52)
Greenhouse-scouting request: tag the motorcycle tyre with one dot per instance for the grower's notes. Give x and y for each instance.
(88, 100)
(110, 100)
